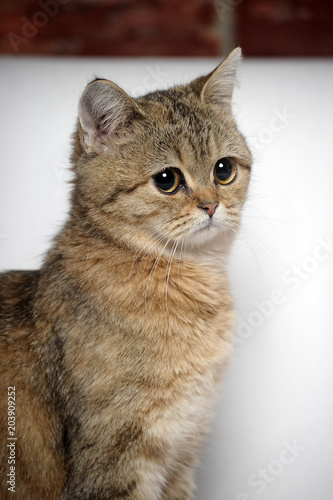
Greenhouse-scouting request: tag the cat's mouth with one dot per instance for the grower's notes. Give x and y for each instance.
(206, 229)
(203, 234)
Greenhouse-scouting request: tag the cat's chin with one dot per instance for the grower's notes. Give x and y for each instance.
(210, 237)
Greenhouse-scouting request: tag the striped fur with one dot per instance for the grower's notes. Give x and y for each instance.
(117, 345)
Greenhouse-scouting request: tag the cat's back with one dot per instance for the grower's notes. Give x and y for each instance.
(17, 291)
(33, 424)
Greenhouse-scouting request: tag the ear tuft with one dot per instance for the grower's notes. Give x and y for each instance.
(105, 112)
(219, 86)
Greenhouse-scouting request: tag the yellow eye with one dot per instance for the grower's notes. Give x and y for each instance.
(225, 170)
(168, 180)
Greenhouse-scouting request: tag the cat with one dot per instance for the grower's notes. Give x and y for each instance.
(112, 353)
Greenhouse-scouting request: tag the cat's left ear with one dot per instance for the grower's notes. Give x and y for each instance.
(220, 84)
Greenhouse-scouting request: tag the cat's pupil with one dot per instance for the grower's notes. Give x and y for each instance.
(223, 169)
(168, 180)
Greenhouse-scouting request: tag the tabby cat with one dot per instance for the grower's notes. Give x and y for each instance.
(114, 350)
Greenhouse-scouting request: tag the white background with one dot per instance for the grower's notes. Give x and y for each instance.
(277, 392)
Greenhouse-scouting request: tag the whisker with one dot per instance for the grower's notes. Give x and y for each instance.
(168, 271)
(248, 244)
(152, 271)
(266, 248)
(181, 254)
(148, 248)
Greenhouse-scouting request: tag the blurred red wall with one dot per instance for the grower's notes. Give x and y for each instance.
(286, 27)
(166, 27)
(109, 27)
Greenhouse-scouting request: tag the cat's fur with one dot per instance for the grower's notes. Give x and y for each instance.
(117, 345)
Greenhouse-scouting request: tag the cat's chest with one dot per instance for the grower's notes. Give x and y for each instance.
(167, 293)
(168, 310)
(178, 306)
(155, 357)
(165, 329)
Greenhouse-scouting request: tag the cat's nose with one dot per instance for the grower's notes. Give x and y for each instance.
(210, 207)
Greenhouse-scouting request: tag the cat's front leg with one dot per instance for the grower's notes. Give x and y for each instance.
(126, 477)
(181, 486)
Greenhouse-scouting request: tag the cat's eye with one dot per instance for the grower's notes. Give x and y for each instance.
(225, 170)
(168, 181)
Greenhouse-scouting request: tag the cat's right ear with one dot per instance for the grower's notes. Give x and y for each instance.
(106, 113)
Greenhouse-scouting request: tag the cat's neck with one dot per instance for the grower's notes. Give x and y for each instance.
(79, 243)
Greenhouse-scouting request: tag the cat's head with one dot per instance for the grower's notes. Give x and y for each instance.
(167, 167)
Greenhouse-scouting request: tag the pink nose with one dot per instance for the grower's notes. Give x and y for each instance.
(210, 207)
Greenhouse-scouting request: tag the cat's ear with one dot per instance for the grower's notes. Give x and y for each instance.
(106, 113)
(220, 84)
